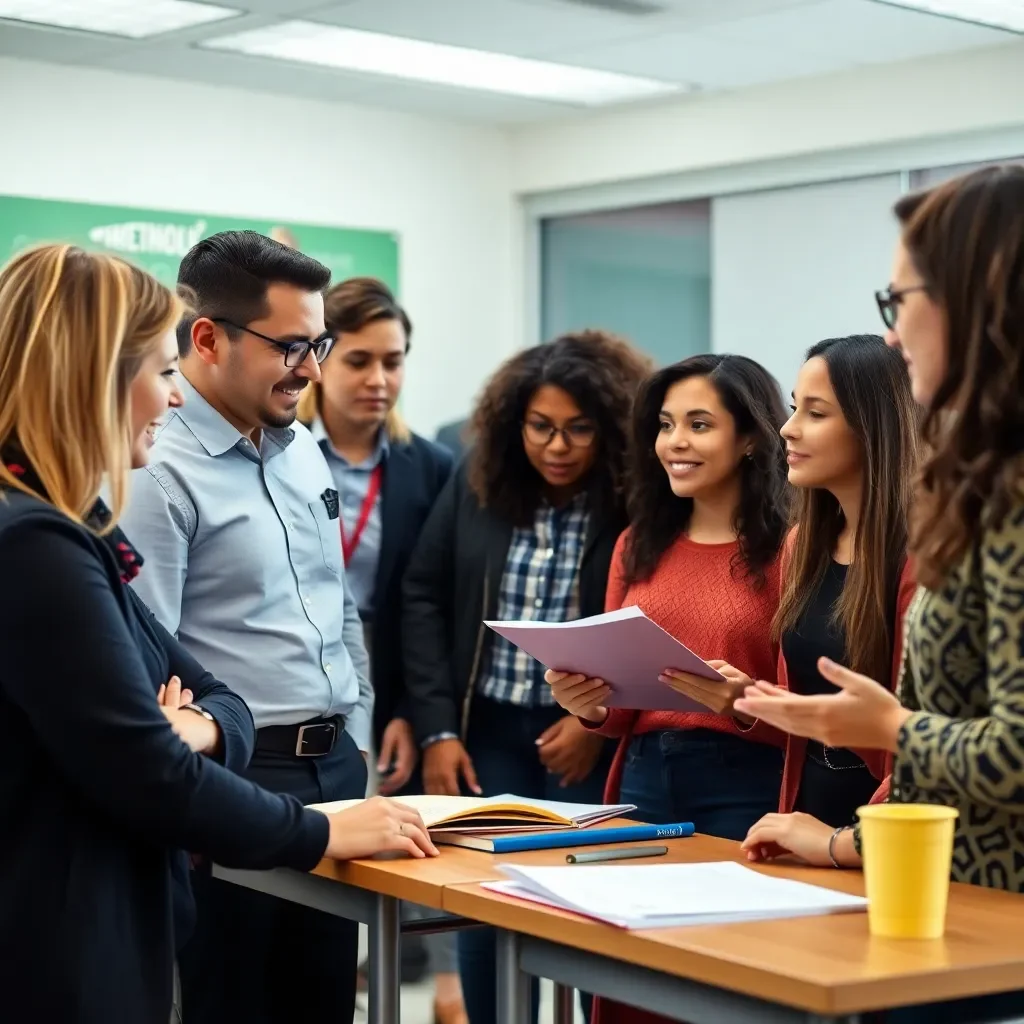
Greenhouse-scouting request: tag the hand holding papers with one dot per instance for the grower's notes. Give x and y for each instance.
(716, 696)
(624, 648)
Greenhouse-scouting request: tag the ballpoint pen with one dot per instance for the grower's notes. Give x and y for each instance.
(623, 853)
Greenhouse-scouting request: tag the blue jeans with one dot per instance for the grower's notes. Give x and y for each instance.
(502, 742)
(721, 782)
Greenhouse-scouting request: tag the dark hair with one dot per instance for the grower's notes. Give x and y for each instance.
(657, 517)
(349, 307)
(360, 301)
(966, 240)
(601, 372)
(227, 275)
(873, 390)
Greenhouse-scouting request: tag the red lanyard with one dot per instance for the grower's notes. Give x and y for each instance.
(349, 544)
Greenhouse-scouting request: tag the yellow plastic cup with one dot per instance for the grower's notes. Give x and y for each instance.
(908, 854)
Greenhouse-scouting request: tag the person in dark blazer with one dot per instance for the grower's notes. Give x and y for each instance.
(387, 479)
(116, 748)
(524, 529)
(455, 437)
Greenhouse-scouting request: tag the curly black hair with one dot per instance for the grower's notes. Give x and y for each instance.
(602, 373)
(658, 517)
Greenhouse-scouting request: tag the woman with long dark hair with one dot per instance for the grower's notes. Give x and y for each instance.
(954, 309)
(851, 446)
(701, 558)
(524, 530)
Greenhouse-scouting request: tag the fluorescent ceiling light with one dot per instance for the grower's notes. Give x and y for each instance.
(373, 53)
(134, 18)
(1006, 14)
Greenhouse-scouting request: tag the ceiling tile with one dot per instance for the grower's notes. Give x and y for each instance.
(237, 71)
(29, 42)
(859, 32)
(702, 60)
(508, 26)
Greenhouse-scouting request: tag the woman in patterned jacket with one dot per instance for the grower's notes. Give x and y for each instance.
(955, 309)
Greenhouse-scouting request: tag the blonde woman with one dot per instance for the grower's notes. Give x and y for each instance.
(115, 745)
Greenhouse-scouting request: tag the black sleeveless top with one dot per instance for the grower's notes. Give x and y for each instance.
(834, 782)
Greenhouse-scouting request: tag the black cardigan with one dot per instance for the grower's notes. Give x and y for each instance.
(414, 474)
(97, 793)
(452, 585)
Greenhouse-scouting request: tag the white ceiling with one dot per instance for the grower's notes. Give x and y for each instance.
(705, 44)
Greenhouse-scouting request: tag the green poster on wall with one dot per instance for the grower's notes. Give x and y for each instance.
(157, 239)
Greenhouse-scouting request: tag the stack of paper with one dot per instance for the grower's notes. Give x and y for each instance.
(507, 813)
(670, 895)
(624, 648)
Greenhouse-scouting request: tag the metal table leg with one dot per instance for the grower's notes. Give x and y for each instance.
(513, 985)
(384, 967)
(565, 1004)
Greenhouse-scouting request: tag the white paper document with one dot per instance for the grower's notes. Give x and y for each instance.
(671, 895)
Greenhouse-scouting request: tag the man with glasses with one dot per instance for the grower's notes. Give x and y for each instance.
(237, 517)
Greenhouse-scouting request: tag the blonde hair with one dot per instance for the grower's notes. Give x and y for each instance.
(349, 307)
(75, 327)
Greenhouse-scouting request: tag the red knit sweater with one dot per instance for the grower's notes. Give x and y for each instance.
(694, 595)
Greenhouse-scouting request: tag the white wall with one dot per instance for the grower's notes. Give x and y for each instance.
(791, 267)
(978, 90)
(803, 175)
(105, 137)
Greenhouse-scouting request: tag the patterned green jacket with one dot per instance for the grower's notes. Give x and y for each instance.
(963, 678)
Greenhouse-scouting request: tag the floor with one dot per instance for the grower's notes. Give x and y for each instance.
(418, 1000)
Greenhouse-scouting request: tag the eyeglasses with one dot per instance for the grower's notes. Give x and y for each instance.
(578, 435)
(295, 352)
(889, 302)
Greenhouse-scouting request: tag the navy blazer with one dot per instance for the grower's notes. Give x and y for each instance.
(98, 797)
(414, 475)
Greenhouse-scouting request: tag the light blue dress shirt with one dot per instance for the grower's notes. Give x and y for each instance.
(352, 482)
(244, 564)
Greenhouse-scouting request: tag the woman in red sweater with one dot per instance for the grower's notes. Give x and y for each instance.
(701, 558)
(851, 445)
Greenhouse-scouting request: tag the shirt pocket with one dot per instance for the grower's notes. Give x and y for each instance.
(330, 536)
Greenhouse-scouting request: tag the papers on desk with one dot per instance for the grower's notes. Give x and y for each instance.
(506, 813)
(671, 895)
(624, 648)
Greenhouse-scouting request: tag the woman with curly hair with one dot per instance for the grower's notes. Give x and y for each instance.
(701, 558)
(525, 530)
(955, 309)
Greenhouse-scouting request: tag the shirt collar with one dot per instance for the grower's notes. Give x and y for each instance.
(214, 432)
(379, 454)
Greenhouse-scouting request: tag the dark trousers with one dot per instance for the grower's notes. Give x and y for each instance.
(503, 746)
(721, 782)
(255, 959)
(1003, 1007)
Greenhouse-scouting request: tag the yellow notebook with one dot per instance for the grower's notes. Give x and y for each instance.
(504, 813)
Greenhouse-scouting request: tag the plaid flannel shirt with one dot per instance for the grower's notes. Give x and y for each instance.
(541, 581)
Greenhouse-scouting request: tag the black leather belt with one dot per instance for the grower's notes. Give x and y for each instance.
(307, 739)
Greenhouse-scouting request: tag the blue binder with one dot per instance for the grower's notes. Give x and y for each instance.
(568, 837)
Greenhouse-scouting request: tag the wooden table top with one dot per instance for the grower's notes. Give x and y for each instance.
(827, 965)
(423, 881)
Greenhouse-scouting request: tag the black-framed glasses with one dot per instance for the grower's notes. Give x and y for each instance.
(295, 352)
(889, 302)
(576, 435)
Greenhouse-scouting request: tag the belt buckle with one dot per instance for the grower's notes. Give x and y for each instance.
(329, 728)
